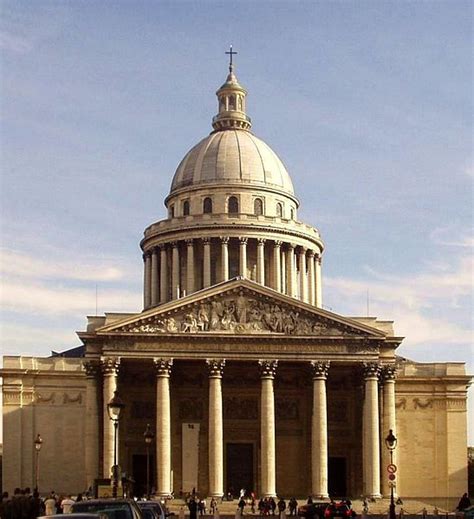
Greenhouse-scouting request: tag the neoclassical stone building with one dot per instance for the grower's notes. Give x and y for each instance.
(247, 381)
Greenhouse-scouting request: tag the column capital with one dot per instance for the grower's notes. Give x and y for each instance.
(91, 367)
(302, 250)
(155, 250)
(224, 240)
(267, 368)
(317, 257)
(174, 244)
(215, 367)
(189, 241)
(110, 365)
(290, 247)
(206, 240)
(389, 372)
(277, 243)
(243, 241)
(320, 369)
(261, 241)
(311, 253)
(163, 367)
(371, 370)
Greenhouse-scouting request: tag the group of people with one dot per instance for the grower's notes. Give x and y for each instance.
(268, 505)
(25, 504)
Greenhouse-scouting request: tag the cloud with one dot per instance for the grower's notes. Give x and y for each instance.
(451, 236)
(85, 268)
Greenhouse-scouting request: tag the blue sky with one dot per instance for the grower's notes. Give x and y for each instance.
(369, 105)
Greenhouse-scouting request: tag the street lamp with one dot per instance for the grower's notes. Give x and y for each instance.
(391, 443)
(149, 437)
(38, 445)
(114, 408)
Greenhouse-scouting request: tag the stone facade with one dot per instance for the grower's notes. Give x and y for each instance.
(247, 380)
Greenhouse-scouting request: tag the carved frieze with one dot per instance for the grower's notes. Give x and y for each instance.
(243, 313)
(401, 404)
(45, 398)
(190, 409)
(72, 399)
(418, 403)
(240, 408)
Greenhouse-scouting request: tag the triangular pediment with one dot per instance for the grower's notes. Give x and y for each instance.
(240, 306)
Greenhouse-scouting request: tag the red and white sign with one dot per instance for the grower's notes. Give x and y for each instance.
(391, 468)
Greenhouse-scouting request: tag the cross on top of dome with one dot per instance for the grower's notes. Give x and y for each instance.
(231, 109)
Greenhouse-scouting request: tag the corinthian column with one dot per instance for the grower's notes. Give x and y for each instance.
(92, 423)
(154, 295)
(371, 454)
(175, 288)
(261, 261)
(243, 257)
(389, 418)
(224, 258)
(311, 291)
(216, 429)
(206, 278)
(277, 266)
(267, 428)
(190, 266)
(319, 432)
(147, 281)
(110, 369)
(163, 427)
(163, 274)
(319, 288)
(302, 267)
(290, 270)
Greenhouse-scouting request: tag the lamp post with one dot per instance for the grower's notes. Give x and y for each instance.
(149, 437)
(38, 445)
(114, 408)
(391, 443)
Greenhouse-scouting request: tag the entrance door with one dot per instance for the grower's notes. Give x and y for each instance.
(239, 464)
(139, 474)
(337, 477)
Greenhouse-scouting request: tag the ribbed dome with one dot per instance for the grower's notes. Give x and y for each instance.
(232, 157)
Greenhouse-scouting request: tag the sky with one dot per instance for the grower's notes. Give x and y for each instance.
(368, 104)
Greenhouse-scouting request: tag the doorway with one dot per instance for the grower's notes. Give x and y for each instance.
(337, 476)
(139, 474)
(239, 467)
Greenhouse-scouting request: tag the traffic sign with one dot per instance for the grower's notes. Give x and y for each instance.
(391, 468)
(392, 477)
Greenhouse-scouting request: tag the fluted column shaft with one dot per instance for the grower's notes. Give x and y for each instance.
(261, 261)
(92, 424)
(190, 267)
(163, 274)
(311, 279)
(154, 288)
(243, 257)
(147, 280)
(371, 455)
(216, 429)
(389, 419)
(224, 259)
(283, 273)
(290, 271)
(110, 368)
(175, 288)
(319, 432)
(206, 274)
(267, 428)
(276, 284)
(303, 280)
(319, 288)
(163, 427)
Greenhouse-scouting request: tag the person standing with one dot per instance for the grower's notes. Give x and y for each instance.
(281, 508)
(66, 504)
(293, 505)
(50, 504)
(464, 503)
(192, 505)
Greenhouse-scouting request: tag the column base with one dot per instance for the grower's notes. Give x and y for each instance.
(373, 496)
(215, 496)
(320, 497)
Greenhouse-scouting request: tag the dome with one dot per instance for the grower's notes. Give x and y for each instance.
(234, 157)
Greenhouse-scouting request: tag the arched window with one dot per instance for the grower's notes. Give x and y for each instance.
(232, 103)
(186, 208)
(233, 205)
(292, 213)
(207, 206)
(279, 210)
(171, 211)
(258, 207)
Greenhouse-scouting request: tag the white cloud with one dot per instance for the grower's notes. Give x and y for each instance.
(450, 236)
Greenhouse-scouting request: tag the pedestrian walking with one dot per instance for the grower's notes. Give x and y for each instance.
(50, 504)
(241, 505)
(281, 508)
(66, 504)
(292, 506)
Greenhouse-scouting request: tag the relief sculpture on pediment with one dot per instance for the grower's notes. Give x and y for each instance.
(241, 314)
